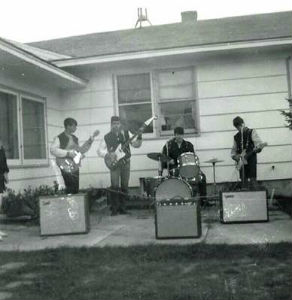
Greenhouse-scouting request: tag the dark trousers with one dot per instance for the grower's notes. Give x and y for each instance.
(119, 182)
(71, 181)
(248, 173)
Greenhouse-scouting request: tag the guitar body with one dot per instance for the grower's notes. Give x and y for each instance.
(68, 165)
(244, 155)
(119, 157)
(115, 159)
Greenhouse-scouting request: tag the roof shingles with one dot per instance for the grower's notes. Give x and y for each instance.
(213, 31)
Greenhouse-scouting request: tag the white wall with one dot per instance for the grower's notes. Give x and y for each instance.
(35, 176)
(253, 87)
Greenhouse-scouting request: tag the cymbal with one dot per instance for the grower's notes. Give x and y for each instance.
(213, 161)
(158, 156)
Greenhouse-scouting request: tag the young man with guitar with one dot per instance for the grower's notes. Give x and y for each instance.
(246, 145)
(116, 152)
(68, 153)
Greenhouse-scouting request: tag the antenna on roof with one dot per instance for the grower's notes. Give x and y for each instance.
(142, 17)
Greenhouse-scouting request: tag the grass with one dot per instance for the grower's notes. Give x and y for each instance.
(151, 272)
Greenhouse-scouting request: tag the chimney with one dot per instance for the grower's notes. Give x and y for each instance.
(189, 16)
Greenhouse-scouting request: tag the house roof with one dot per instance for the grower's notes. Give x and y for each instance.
(17, 59)
(202, 32)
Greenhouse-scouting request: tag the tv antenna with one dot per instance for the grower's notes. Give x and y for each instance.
(142, 17)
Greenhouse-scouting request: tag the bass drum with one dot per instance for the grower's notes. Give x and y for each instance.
(173, 188)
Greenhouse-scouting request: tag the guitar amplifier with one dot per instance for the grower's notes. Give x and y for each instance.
(177, 219)
(65, 214)
(244, 206)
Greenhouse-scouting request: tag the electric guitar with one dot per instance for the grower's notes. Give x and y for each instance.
(245, 156)
(118, 157)
(71, 165)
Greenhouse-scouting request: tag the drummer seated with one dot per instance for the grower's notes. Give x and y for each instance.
(173, 149)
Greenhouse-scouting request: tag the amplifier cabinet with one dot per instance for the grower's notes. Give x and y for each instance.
(177, 219)
(64, 214)
(244, 206)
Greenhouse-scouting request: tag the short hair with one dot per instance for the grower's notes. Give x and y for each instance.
(237, 121)
(178, 130)
(69, 122)
(115, 119)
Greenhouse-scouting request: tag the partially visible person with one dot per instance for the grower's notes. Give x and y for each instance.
(246, 145)
(118, 136)
(4, 170)
(68, 153)
(173, 149)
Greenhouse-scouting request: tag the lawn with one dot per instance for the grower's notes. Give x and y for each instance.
(197, 271)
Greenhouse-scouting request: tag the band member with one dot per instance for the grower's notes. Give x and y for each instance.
(66, 149)
(120, 175)
(173, 149)
(246, 144)
(4, 170)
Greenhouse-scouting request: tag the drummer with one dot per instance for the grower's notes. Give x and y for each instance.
(173, 149)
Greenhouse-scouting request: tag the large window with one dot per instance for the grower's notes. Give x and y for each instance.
(22, 127)
(176, 100)
(173, 100)
(134, 100)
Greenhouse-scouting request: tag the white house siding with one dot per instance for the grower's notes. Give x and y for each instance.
(254, 87)
(22, 177)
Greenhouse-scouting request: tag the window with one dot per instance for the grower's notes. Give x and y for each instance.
(176, 100)
(22, 128)
(134, 100)
(9, 124)
(174, 95)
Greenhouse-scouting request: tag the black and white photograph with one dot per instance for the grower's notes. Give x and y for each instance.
(146, 150)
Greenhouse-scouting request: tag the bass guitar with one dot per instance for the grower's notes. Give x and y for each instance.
(244, 156)
(71, 165)
(118, 157)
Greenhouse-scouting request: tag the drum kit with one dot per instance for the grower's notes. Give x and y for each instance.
(177, 184)
(179, 181)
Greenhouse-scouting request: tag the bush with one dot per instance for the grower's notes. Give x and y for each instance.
(25, 203)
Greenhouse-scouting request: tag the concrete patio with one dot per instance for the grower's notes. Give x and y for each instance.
(138, 228)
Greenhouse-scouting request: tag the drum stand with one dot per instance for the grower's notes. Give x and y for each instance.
(213, 161)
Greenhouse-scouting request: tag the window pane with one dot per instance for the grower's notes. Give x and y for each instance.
(175, 77)
(134, 88)
(176, 92)
(33, 129)
(8, 124)
(135, 115)
(175, 114)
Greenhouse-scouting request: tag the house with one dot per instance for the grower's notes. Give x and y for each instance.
(199, 74)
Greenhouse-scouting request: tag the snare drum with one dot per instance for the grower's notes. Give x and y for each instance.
(172, 188)
(189, 165)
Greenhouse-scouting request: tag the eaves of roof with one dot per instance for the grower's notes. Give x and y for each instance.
(33, 59)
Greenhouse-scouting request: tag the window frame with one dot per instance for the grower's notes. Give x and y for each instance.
(155, 104)
(21, 162)
(148, 135)
(194, 99)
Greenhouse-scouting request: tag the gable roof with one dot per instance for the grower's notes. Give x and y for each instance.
(204, 32)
